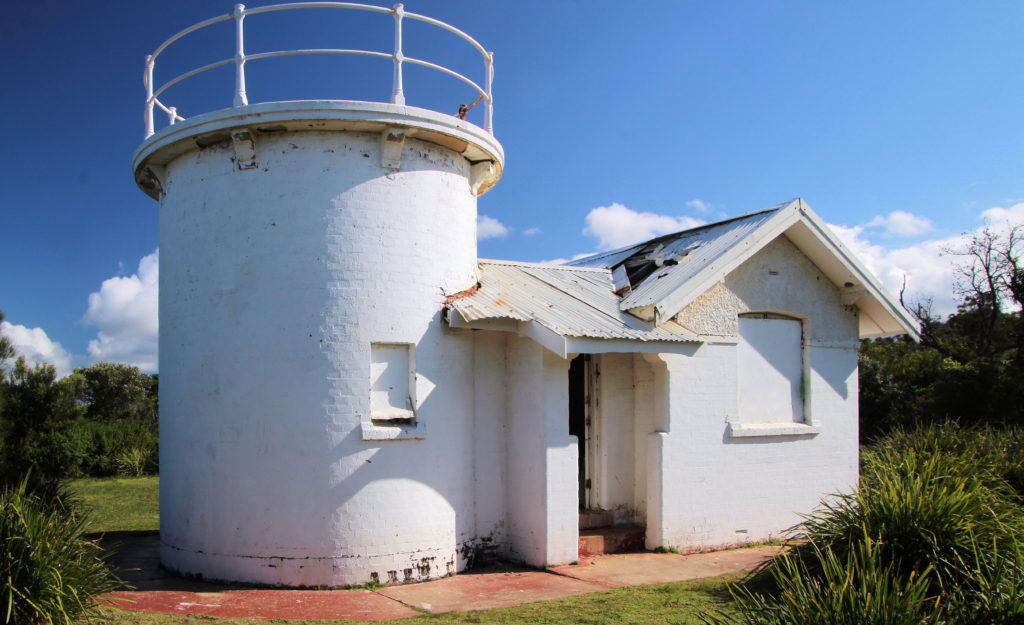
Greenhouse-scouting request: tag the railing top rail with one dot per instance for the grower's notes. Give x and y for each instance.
(240, 57)
(191, 29)
(451, 29)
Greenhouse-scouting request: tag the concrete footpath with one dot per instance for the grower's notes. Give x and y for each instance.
(480, 589)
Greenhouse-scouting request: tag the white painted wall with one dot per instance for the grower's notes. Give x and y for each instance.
(490, 437)
(274, 282)
(613, 424)
(719, 490)
(541, 475)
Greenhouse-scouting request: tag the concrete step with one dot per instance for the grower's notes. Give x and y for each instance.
(596, 518)
(613, 539)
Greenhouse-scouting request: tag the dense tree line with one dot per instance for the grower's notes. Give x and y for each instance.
(100, 420)
(968, 367)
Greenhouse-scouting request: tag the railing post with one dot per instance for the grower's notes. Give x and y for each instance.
(149, 95)
(489, 111)
(397, 92)
(241, 99)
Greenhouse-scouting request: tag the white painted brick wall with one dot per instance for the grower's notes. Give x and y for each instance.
(274, 282)
(721, 490)
(541, 486)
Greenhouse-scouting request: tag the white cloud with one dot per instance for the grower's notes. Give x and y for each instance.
(36, 347)
(617, 226)
(125, 312)
(699, 205)
(562, 261)
(928, 271)
(998, 216)
(532, 232)
(901, 223)
(489, 228)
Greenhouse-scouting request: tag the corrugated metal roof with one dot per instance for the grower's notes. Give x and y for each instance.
(677, 258)
(570, 301)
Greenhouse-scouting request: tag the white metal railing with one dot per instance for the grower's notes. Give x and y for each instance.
(241, 99)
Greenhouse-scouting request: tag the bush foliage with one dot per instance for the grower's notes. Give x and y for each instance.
(51, 572)
(935, 533)
(99, 421)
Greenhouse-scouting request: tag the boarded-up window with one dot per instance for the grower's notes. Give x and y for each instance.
(392, 374)
(771, 369)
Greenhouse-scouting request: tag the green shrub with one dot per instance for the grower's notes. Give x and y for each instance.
(51, 572)
(996, 451)
(995, 592)
(820, 588)
(935, 514)
(132, 462)
(105, 449)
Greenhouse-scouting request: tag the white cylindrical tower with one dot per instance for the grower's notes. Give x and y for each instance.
(312, 427)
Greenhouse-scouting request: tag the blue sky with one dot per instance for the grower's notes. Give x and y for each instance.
(900, 123)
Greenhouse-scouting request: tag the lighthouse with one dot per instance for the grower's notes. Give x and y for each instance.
(313, 430)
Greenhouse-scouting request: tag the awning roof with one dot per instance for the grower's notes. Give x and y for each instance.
(570, 307)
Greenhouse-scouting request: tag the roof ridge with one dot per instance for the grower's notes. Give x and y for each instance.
(670, 235)
(520, 263)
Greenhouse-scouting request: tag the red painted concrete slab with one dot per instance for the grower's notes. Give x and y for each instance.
(482, 591)
(160, 591)
(279, 604)
(633, 569)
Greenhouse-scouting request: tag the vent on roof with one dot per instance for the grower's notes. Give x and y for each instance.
(620, 281)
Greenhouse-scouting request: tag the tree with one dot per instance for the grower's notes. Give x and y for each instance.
(37, 414)
(6, 348)
(969, 367)
(6, 353)
(116, 392)
(991, 277)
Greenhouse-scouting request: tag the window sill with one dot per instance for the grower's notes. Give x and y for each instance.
(746, 430)
(396, 431)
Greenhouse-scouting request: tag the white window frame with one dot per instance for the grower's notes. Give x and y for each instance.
(384, 419)
(747, 423)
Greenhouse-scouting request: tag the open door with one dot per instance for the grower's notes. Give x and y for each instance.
(579, 421)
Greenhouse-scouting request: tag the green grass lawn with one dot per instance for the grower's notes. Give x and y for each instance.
(120, 503)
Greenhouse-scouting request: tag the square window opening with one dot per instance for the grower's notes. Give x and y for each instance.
(392, 384)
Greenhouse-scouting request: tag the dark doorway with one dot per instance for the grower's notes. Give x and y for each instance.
(578, 401)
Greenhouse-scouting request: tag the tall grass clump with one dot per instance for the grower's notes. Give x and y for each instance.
(996, 451)
(936, 522)
(51, 573)
(860, 587)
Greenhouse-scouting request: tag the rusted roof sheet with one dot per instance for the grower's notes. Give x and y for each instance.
(570, 301)
(677, 258)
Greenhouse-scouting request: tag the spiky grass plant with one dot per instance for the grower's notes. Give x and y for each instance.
(994, 451)
(933, 515)
(51, 573)
(922, 510)
(821, 588)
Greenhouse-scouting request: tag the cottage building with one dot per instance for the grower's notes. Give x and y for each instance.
(348, 395)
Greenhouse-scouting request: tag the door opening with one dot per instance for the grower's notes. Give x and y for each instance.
(579, 421)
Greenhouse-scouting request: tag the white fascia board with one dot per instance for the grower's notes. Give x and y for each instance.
(497, 324)
(875, 290)
(585, 345)
(726, 263)
(546, 337)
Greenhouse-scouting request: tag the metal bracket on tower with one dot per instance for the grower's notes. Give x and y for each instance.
(481, 174)
(391, 142)
(151, 179)
(245, 149)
